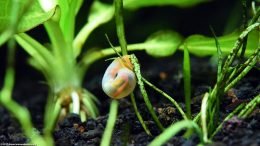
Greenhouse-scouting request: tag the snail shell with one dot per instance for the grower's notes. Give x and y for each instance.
(119, 79)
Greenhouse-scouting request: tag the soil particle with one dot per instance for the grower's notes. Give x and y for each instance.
(72, 131)
(70, 120)
(240, 132)
(166, 114)
(91, 124)
(10, 129)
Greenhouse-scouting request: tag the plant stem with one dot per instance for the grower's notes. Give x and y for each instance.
(197, 118)
(144, 93)
(106, 138)
(255, 18)
(139, 115)
(19, 112)
(248, 109)
(237, 46)
(64, 74)
(220, 56)
(227, 118)
(53, 110)
(61, 49)
(187, 81)
(88, 101)
(245, 19)
(204, 116)
(168, 97)
(173, 130)
(120, 25)
(245, 71)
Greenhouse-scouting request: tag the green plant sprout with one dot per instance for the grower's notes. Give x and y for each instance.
(227, 77)
(58, 64)
(23, 115)
(187, 81)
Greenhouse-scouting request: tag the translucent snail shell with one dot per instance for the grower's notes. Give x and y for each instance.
(119, 79)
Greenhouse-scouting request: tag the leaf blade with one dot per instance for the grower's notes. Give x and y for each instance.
(30, 15)
(163, 43)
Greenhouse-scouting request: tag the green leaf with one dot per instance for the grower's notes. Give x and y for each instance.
(134, 4)
(175, 128)
(69, 10)
(163, 43)
(29, 15)
(187, 81)
(252, 41)
(100, 13)
(200, 45)
(42, 57)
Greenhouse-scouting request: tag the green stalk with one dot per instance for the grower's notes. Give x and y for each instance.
(245, 71)
(245, 19)
(19, 112)
(64, 74)
(168, 97)
(144, 93)
(204, 116)
(248, 109)
(67, 22)
(222, 86)
(61, 49)
(213, 105)
(14, 19)
(88, 101)
(220, 56)
(197, 118)
(139, 115)
(169, 132)
(236, 47)
(106, 138)
(241, 106)
(255, 18)
(187, 81)
(120, 25)
(53, 112)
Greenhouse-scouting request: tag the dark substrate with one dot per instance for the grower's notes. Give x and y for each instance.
(164, 73)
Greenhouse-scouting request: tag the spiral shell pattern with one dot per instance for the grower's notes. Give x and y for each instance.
(119, 79)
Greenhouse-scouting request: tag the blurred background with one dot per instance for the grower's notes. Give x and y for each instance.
(223, 15)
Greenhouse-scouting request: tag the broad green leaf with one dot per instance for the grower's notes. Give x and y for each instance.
(203, 46)
(134, 4)
(97, 14)
(162, 43)
(100, 13)
(29, 15)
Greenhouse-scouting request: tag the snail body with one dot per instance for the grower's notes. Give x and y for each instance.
(119, 79)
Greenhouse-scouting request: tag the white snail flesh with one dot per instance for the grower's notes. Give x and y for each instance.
(119, 79)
